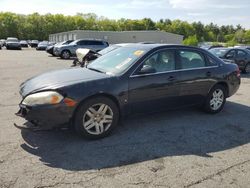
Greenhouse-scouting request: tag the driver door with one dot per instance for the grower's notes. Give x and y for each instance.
(158, 89)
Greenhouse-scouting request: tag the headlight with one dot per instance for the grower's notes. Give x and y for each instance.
(46, 97)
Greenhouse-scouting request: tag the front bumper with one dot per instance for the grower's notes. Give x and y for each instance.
(14, 47)
(41, 48)
(46, 115)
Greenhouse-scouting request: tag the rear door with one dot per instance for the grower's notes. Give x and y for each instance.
(155, 91)
(197, 75)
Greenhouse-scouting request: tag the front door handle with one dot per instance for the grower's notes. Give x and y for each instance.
(171, 78)
(208, 73)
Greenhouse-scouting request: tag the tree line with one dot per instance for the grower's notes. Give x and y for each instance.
(36, 26)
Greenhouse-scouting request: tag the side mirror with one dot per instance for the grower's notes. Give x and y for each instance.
(229, 56)
(147, 70)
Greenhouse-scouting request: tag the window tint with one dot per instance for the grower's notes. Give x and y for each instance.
(94, 42)
(241, 53)
(230, 54)
(191, 59)
(162, 61)
(211, 61)
(82, 42)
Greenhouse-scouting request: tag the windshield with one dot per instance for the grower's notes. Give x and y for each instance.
(12, 40)
(108, 49)
(117, 61)
(219, 52)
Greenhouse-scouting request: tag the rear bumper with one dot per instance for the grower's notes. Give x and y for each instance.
(234, 85)
(46, 115)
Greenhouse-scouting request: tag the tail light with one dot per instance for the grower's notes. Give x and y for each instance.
(238, 72)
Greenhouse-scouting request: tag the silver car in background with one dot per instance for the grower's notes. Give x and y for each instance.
(67, 51)
(12, 43)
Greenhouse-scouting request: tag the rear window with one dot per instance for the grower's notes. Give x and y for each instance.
(191, 59)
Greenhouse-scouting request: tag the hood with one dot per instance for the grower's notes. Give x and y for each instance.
(42, 45)
(61, 45)
(81, 53)
(58, 79)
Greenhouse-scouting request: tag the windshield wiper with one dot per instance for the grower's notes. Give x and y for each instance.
(97, 70)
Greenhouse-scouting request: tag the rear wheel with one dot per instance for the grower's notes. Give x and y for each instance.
(65, 54)
(96, 118)
(216, 99)
(247, 68)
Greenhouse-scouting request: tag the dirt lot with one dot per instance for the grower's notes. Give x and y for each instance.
(184, 148)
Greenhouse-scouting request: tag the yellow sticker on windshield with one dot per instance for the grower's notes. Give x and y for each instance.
(138, 52)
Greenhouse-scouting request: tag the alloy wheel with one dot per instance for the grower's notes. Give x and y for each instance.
(65, 55)
(217, 99)
(97, 119)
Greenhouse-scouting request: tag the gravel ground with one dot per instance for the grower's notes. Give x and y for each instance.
(183, 148)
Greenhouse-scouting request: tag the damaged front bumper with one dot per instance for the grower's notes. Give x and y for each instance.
(46, 116)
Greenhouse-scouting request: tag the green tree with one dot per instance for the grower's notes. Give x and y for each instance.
(191, 41)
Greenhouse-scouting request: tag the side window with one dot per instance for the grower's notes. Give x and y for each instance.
(161, 61)
(230, 54)
(82, 42)
(241, 53)
(90, 42)
(191, 59)
(211, 61)
(98, 43)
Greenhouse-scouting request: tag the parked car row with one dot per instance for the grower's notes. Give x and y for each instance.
(14, 43)
(238, 55)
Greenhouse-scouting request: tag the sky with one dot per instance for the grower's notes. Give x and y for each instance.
(220, 12)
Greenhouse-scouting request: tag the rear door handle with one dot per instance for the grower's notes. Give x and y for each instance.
(209, 73)
(171, 78)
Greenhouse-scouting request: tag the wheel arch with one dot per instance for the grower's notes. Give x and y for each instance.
(111, 97)
(222, 83)
(65, 50)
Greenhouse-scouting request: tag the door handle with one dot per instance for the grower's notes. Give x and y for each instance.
(209, 73)
(171, 78)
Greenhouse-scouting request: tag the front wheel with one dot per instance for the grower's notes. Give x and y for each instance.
(215, 99)
(65, 54)
(96, 118)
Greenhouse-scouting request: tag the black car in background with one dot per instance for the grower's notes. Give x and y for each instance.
(137, 78)
(12, 43)
(50, 48)
(240, 56)
(34, 43)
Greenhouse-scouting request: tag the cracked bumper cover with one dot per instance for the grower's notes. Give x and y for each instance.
(46, 115)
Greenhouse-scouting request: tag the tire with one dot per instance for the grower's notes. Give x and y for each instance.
(218, 95)
(247, 68)
(105, 117)
(65, 54)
